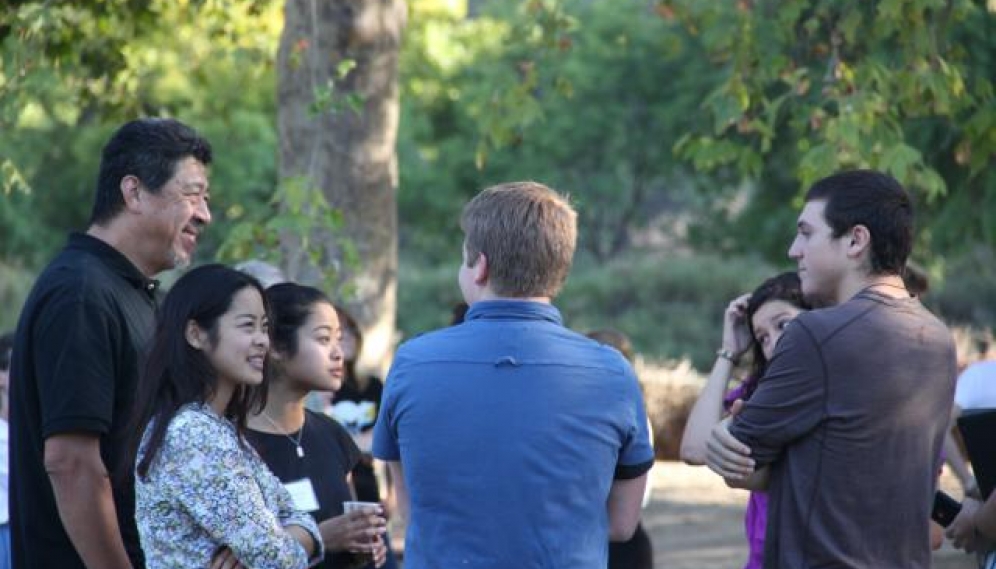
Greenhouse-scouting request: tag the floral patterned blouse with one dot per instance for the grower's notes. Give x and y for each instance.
(205, 491)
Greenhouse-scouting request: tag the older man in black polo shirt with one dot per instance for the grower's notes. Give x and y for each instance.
(78, 345)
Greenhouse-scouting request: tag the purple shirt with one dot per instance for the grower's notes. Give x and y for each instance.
(756, 518)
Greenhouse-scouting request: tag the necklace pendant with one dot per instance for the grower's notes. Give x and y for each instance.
(300, 452)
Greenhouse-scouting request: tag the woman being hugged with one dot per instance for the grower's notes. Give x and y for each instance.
(752, 320)
(309, 452)
(204, 498)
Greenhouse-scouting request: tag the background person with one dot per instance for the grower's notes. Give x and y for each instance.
(6, 346)
(266, 273)
(638, 551)
(355, 406)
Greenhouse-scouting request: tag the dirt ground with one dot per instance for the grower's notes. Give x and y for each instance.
(696, 522)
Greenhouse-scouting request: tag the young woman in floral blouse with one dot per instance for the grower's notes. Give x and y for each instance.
(203, 496)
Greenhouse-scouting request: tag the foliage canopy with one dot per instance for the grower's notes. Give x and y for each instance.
(684, 123)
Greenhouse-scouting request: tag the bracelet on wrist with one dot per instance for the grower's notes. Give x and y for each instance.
(727, 355)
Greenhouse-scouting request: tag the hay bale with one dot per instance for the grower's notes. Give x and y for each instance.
(670, 390)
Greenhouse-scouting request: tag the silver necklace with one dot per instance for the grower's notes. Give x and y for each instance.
(297, 442)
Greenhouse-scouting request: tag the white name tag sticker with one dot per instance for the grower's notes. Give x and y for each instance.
(303, 495)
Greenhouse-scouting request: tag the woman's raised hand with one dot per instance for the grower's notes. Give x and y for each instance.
(736, 333)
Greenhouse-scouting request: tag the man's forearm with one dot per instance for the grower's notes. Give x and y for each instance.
(985, 518)
(623, 504)
(86, 504)
(86, 507)
(758, 481)
(400, 489)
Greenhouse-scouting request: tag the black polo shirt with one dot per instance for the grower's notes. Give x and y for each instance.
(79, 344)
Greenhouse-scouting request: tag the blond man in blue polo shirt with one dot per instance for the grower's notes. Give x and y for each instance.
(518, 443)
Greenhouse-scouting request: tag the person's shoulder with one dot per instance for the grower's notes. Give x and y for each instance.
(324, 422)
(193, 426)
(61, 275)
(328, 428)
(603, 353)
(575, 349)
(979, 371)
(822, 322)
(428, 342)
(73, 277)
(62, 297)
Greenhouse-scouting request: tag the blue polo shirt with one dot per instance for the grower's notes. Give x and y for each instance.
(511, 429)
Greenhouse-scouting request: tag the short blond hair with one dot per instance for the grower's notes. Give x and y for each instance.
(527, 232)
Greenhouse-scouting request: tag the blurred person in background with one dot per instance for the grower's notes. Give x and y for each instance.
(355, 406)
(638, 551)
(6, 346)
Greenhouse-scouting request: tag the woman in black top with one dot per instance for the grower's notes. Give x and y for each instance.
(309, 452)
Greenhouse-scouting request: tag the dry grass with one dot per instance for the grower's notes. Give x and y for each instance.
(670, 389)
(696, 522)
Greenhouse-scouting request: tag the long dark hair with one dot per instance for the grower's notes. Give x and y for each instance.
(176, 373)
(290, 305)
(785, 287)
(347, 322)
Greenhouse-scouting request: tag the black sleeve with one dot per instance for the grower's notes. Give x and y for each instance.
(342, 439)
(350, 450)
(75, 343)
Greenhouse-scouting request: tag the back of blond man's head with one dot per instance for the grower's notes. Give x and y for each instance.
(527, 232)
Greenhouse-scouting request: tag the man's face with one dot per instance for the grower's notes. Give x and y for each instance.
(820, 257)
(175, 216)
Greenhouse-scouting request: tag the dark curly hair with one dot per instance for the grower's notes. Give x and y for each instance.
(785, 287)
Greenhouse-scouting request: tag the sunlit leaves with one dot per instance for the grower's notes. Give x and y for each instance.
(861, 78)
(302, 214)
(329, 99)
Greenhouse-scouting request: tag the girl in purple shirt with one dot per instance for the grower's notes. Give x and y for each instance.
(754, 320)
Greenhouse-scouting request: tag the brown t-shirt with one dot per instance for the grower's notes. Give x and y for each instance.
(851, 415)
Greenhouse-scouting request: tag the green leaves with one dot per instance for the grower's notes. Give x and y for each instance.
(329, 100)
(830, 85)
(71, 72)
(299, 214)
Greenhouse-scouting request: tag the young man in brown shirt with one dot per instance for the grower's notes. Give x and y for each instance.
(846, 426)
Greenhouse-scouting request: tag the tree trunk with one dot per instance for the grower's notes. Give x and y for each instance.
(349, 155)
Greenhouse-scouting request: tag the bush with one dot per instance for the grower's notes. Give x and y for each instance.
(14, 288)
(426, 295)
(967, 294)
(669, 390)
(670, 305)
